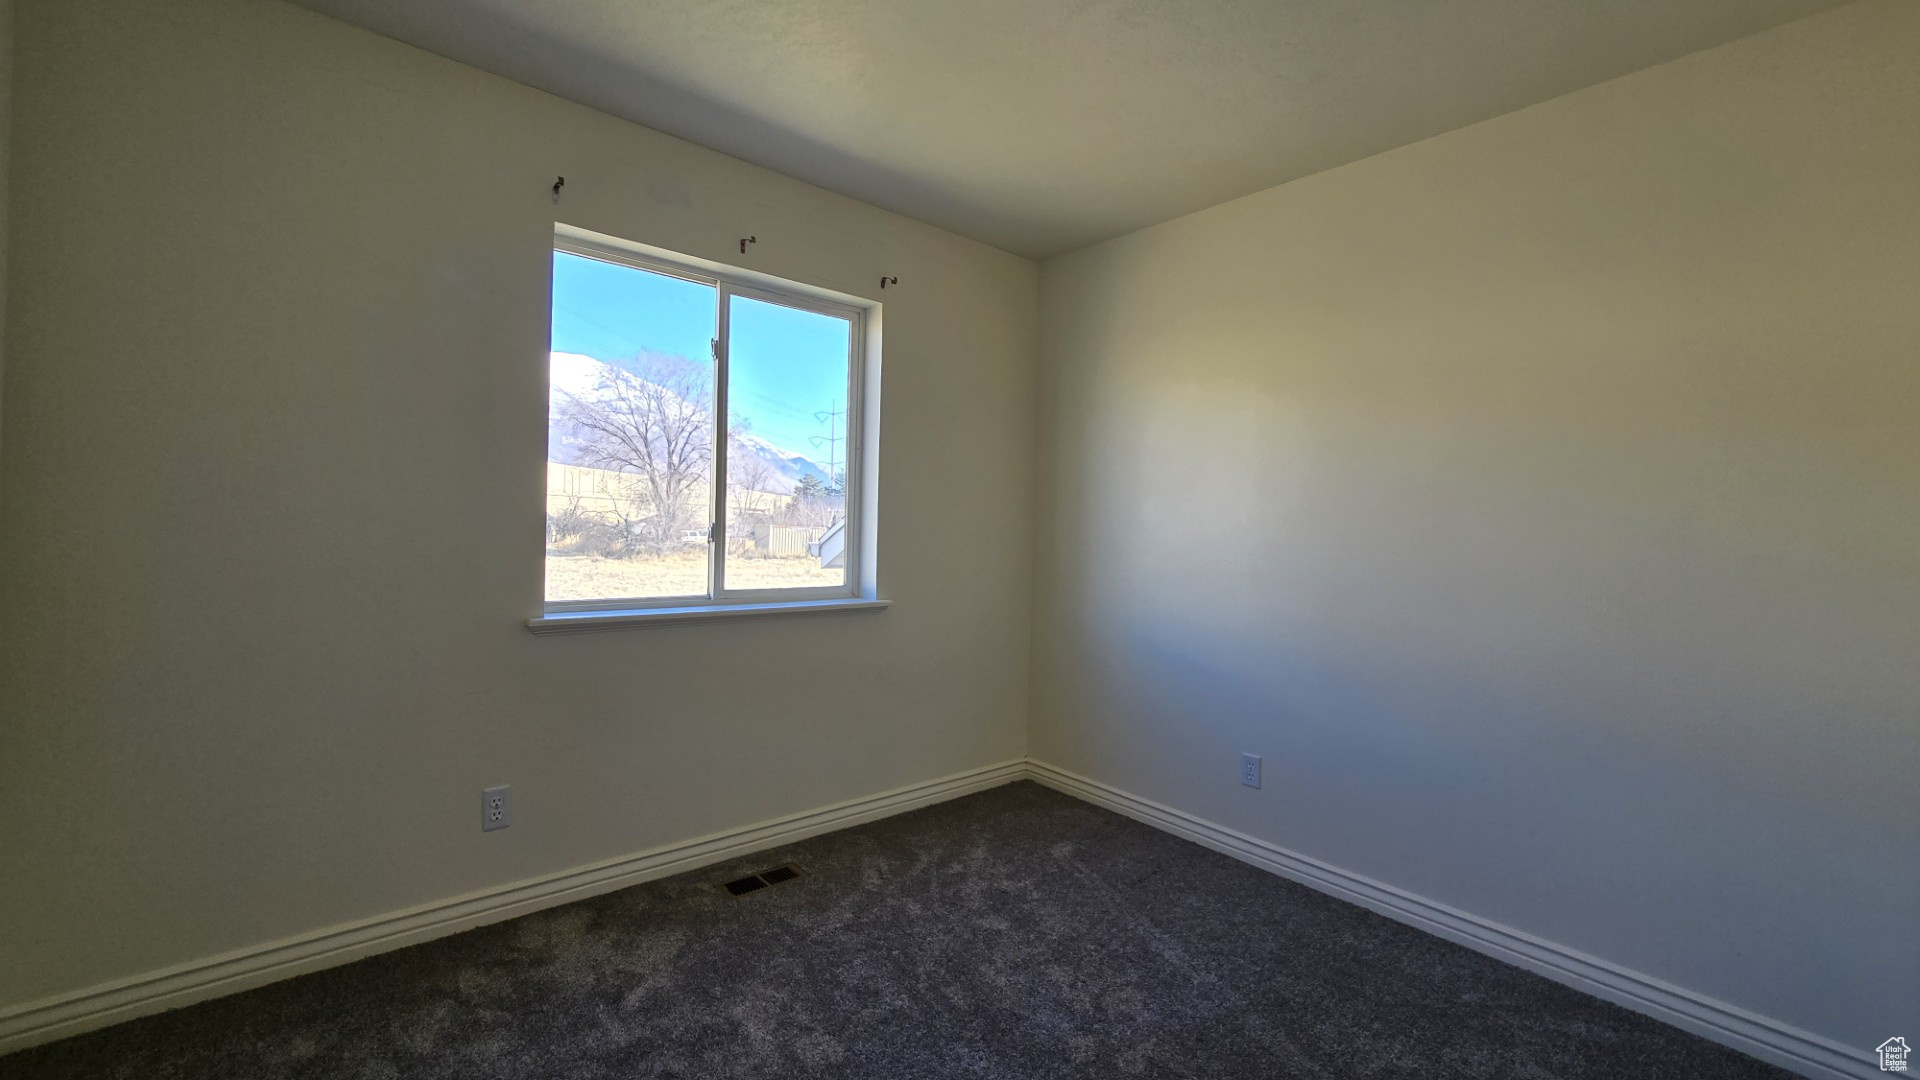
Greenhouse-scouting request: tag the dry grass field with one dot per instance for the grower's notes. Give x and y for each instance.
(593, 577)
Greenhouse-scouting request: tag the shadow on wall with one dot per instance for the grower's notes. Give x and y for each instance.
(1447, 779)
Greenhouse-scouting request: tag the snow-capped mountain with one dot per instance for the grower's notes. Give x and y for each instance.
(573, 377)
(785, 467)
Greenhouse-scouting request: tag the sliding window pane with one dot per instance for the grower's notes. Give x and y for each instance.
(630, 432)
(787, 446)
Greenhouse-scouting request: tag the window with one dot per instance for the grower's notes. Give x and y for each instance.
(703, 436)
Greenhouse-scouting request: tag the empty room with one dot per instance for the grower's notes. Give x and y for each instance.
(1064, 539)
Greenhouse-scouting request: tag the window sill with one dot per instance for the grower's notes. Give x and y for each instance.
(578, 622)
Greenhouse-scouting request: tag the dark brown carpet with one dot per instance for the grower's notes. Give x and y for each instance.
(1016, 933)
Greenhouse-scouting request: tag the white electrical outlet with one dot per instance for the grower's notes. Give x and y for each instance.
(1250, 770)
(496, 808)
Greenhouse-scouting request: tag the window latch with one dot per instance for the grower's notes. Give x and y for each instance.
(713, 532)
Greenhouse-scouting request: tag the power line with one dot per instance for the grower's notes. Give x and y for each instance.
(831, 440)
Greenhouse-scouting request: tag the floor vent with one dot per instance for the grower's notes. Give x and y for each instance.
(779, 874)
(763, 879)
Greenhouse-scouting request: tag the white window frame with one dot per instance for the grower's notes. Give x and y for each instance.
(560, 616)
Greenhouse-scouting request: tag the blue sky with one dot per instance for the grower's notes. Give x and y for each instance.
(786, 365)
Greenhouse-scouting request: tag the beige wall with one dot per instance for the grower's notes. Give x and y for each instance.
(6, 170)
(261, 257)
(1539, 499)
(1542, 500)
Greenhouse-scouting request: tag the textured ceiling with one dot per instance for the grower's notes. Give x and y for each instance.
(1040, 126)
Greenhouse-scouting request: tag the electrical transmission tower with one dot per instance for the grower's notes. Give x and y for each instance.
(832, 441)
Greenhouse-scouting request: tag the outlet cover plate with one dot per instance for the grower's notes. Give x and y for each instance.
(496, 808)
(1250, 770)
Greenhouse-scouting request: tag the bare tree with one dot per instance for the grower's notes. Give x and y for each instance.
(568, 522)
(652, 419)
(748, 478)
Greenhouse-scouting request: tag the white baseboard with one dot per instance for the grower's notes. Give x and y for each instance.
(1764, 1038)
(169, 988)
(123, 999)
